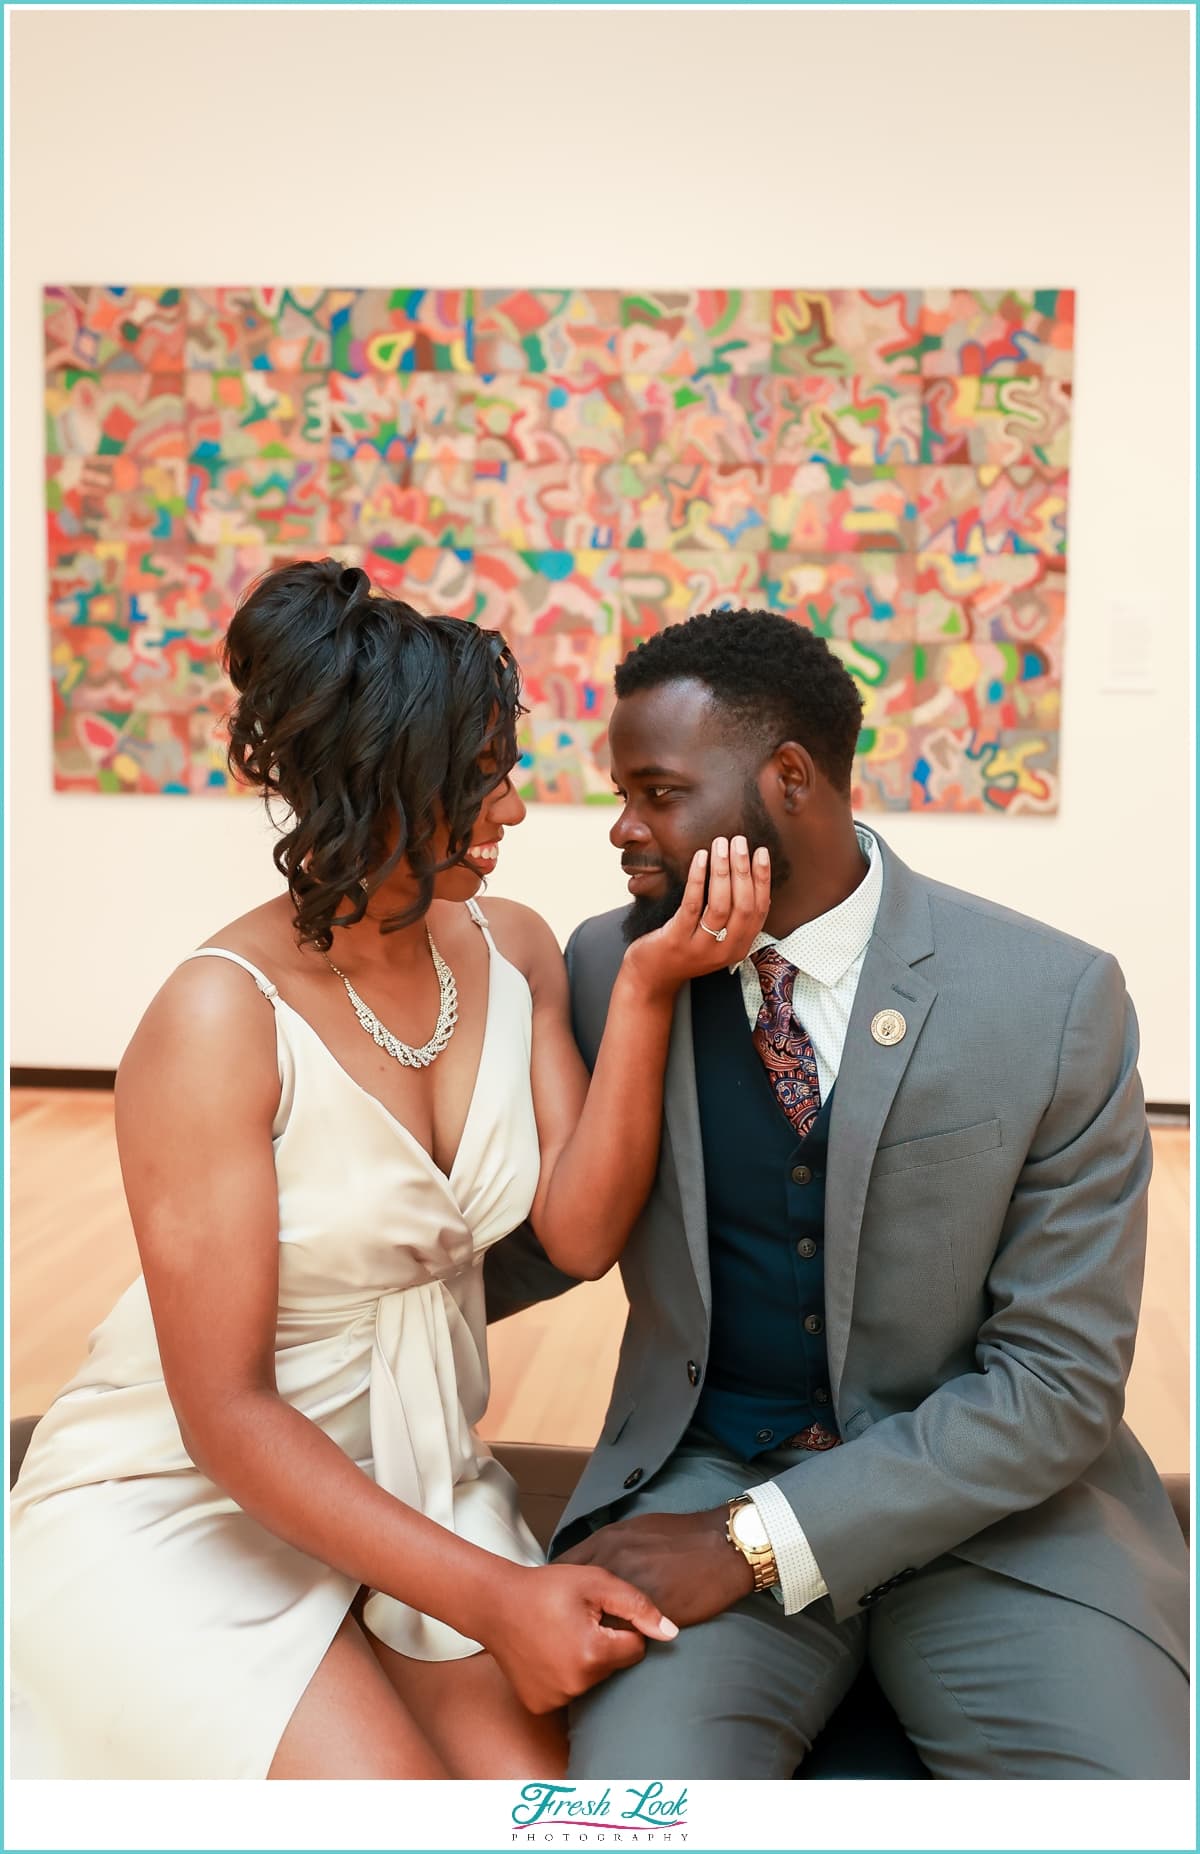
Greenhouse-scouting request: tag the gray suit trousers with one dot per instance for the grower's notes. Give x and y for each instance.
(991, 1678)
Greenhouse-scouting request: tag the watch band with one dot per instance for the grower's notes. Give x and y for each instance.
(760, 1558)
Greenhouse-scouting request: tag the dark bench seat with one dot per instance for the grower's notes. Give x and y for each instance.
(863, 1740)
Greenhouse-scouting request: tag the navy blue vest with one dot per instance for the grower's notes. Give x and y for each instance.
(767, 1376)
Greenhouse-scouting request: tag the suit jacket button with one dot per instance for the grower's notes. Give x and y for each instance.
(693, 1372)
(821, 1396)
(813, 1323)
(631, 1480)
(764, 1435)
(806, 1248)
(801, 1174)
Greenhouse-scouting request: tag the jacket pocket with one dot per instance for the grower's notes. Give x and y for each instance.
(617, 1419)
(937, 1148)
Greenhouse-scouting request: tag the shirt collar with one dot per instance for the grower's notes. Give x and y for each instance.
(826, 948)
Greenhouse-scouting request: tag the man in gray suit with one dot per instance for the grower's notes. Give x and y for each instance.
(884, 1294)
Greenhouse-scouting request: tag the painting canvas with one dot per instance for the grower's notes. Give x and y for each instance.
(576, 468)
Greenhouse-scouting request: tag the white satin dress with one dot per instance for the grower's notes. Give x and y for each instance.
(158, 1630)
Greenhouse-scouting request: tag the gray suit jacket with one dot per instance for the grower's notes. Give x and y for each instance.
(984, 1249)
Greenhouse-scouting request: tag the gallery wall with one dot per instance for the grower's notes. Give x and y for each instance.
(592, 147)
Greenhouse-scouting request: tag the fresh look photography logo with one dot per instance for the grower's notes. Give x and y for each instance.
(560, 1813)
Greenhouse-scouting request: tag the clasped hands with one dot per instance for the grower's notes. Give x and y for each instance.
(682, 1561)
(558, 1629)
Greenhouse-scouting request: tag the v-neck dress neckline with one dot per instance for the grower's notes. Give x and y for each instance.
(495, 957)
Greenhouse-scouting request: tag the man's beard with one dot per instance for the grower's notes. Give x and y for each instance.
(647, 913)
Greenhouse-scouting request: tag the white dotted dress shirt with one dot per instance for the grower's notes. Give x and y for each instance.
(828, 955)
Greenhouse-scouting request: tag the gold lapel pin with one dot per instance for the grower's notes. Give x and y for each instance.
(888, 1027)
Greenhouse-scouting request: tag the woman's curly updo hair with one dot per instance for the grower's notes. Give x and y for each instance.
(373, 725)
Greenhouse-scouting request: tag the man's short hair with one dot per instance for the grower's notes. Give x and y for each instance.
(772, 678)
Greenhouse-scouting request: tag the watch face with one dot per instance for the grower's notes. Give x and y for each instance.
(748, 1529)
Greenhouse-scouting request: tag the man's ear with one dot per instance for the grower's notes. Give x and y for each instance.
(791, 777)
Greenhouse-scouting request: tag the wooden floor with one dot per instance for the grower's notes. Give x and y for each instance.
(73, 1254)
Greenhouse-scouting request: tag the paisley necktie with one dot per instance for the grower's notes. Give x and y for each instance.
(784, 1045)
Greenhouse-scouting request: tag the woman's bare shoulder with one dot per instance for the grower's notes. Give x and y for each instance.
(265, 936)
(210, 1013)
(524, 938)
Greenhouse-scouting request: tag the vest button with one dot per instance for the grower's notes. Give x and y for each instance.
(806, 1248)
(801, 1174)
(813, 1323)
(764, 1435)
(693, 1372)
(631, 1480)
(821, 1396)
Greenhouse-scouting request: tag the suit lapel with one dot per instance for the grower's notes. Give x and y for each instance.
(868, 1078)
(681, 1114)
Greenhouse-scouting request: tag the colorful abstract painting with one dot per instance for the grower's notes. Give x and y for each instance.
(579, 469)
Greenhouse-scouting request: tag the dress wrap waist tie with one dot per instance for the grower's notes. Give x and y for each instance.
(423, 1355)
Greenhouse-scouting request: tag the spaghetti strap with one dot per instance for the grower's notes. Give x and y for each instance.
(480, 919)
(222, 952)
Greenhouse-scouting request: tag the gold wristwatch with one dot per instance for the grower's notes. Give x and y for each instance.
(746, 1533)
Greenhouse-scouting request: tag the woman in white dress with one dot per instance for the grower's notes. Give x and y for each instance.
(280, 1411)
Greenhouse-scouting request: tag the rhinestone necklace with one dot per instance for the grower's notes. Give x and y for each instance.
(404, 1053)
